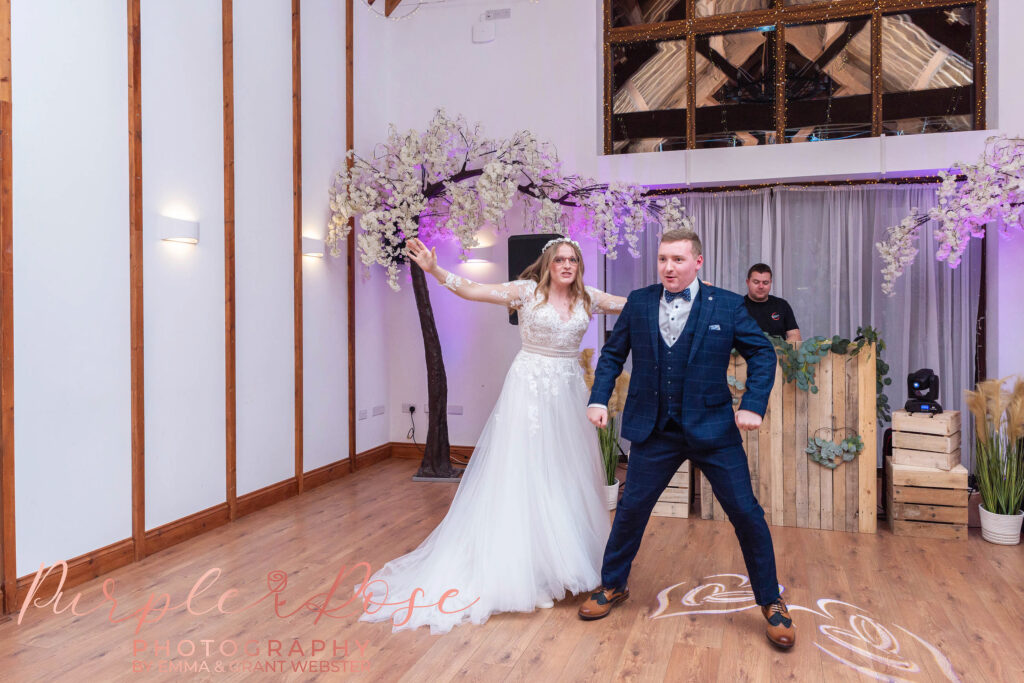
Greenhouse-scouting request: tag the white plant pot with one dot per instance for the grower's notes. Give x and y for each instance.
(611, 494)
(1001, 529)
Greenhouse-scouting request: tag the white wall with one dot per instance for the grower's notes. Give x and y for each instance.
(1005, 305)
(263, 243)
(375, 325)
(71, 261)
(183, 284)
(324, 306)
(494, 84)
(71, 332)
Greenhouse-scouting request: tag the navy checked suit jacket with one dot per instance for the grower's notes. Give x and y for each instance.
(722, 325)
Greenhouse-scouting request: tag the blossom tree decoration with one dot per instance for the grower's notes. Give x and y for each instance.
(970, 197)
(450, 181)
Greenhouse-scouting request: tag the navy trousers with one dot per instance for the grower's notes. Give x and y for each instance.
(651, 465)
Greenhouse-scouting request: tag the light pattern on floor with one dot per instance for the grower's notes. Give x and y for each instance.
(852, 636)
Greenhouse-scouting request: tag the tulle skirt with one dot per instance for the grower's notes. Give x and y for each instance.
(529, 521)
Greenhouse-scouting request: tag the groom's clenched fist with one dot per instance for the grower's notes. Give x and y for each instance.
(598, 416)
(747, 420)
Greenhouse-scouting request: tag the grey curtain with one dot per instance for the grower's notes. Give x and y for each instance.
(820, 243)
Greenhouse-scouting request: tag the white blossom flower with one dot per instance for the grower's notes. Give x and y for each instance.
(969, 198)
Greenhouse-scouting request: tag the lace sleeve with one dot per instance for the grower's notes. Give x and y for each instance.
(510, 294)
(602, 302)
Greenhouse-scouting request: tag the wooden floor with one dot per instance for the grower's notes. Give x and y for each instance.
(908, 609)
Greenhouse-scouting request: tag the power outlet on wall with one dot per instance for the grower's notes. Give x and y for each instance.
(454, 410)
(492, 14)
(378, 410)
(362, 414)
(408, 408)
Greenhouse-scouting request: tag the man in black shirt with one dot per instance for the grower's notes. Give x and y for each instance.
(773, 314)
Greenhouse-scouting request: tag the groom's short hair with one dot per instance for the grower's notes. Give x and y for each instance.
(684, 234)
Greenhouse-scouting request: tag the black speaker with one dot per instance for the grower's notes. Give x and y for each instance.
(522, 251)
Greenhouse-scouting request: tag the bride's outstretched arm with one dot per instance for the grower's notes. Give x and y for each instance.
(603, 302)
(505, 294)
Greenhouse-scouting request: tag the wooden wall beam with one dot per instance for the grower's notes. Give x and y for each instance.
(230, 383)
(138, 404)
(297, 230)
(8, 565)
(350, 243)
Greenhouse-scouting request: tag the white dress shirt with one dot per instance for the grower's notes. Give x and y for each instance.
(672, 317)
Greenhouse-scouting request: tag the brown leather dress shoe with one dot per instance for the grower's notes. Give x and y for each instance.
(601, 601)
(780, 625)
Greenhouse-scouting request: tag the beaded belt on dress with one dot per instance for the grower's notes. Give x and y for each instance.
(548, 351)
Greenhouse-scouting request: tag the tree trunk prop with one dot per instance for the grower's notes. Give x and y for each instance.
(436, 462)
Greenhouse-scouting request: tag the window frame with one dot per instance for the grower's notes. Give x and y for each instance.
(779, 15)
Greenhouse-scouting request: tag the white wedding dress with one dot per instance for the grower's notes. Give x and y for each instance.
(529, 521)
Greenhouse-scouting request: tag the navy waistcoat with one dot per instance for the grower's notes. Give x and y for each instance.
(672, 370)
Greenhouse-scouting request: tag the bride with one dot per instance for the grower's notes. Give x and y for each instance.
(529, 520)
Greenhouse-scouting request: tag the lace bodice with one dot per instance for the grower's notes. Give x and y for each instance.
(541, 325)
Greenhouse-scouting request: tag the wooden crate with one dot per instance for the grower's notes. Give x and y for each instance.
(943, 424)
(926, 502)
(926, 442)
(908, 475)
(922, 440)
(939, 461)
(675, 499)
(681, 510)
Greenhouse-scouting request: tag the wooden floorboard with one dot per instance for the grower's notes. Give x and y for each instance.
(964, 599)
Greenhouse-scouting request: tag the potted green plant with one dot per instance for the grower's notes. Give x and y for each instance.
(999, 458)
(608, 436)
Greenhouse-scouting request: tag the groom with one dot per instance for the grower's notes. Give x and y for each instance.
(681, 333)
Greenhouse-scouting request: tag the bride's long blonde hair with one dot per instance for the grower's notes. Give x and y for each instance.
(540, 272)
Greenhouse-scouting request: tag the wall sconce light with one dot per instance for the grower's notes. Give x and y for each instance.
(480, 254)
(177, 230)
(312, 246)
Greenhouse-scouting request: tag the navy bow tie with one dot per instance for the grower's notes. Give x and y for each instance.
(672, 295)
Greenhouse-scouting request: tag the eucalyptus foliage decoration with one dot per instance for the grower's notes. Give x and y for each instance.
(798, 363)
(831, 454)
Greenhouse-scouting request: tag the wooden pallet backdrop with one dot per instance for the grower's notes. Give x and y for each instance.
(793, 489)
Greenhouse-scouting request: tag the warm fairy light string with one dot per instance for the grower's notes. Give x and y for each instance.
(738, 22)
(917, 180)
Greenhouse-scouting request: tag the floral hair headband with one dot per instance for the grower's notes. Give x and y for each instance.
(567, 240)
